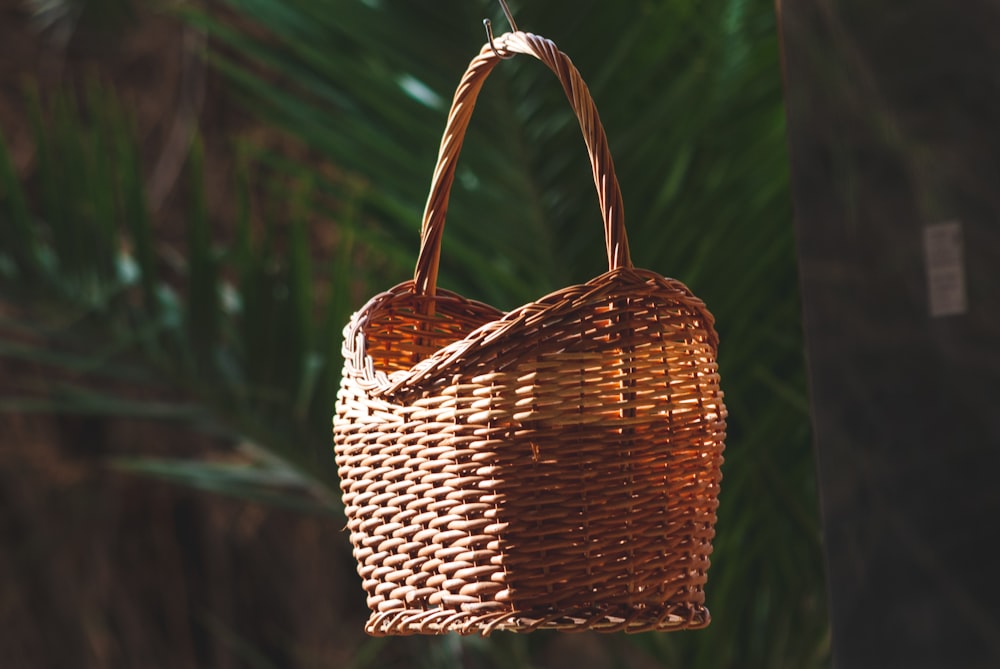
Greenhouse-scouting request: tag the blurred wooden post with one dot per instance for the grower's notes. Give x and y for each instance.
(894, 132)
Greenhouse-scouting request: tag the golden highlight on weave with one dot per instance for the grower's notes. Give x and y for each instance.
(556, 466)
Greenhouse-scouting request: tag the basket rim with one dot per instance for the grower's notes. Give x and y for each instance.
(379, 383)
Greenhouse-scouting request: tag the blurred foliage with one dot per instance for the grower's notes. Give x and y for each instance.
(690, 95)
(98, 301)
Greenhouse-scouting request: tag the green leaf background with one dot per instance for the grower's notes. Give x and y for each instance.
(691, 99)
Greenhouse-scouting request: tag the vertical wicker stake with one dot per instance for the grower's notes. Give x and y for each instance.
(556, 466)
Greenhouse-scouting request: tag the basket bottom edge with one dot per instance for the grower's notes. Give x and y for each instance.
(405, 622)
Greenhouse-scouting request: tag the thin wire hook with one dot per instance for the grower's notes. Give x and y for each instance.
(510, 17)
(489, 30)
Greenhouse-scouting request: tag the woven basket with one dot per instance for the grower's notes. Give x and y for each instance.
(556, 466)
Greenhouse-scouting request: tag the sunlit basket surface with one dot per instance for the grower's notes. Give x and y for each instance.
(556, 466)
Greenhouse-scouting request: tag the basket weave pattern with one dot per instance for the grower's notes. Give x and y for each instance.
(556, 466)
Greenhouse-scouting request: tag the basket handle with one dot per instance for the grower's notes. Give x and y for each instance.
(609, 194)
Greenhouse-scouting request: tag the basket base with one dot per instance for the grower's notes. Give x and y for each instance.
(405, 622)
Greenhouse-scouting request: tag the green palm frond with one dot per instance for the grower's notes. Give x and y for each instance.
(84, 301)
(690, 96)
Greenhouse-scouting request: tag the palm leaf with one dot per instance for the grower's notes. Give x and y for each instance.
(690, 95)
(691, 99)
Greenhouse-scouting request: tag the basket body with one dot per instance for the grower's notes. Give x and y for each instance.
(554, 467)
(557, 466)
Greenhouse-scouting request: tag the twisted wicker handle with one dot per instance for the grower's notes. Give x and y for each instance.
(609, 194)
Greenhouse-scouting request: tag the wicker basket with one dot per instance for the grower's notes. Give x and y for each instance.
(556, 466)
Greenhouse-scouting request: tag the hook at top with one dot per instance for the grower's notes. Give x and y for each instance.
(489, 30)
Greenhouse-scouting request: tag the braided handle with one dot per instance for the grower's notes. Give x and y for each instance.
(609, 194)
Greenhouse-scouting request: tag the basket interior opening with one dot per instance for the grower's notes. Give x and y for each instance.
(402, 336)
